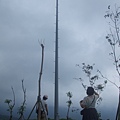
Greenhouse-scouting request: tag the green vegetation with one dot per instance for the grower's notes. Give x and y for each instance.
(11, 105)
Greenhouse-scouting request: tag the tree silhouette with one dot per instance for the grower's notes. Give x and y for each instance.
(113, 38)
(22, 108)
(93, 79)
(10, 104)
(69, 103)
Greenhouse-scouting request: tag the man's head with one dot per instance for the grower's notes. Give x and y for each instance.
(45, 97)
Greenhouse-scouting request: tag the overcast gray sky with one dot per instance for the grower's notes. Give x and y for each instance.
(82, 31)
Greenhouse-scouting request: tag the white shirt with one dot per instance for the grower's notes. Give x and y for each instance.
(43, 105)
(89, 101)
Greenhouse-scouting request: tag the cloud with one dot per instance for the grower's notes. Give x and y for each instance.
(82, 31)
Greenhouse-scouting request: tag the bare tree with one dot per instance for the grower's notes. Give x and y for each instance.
(10, 104)
(92, 80)
(22, 108)
(37, 104)
(113, 38)
(69, 103)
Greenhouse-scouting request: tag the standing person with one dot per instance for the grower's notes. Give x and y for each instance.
(88, 104)
(44, 108)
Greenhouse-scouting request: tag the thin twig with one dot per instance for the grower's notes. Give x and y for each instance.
(108, 79)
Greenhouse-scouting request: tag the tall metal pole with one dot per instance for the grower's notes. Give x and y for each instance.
(56, 115)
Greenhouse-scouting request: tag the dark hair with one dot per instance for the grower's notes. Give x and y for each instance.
(90, 91)
(81, 101)
(44, 98)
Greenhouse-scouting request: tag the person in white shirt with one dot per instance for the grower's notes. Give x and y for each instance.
(44, 108)
(88, 104)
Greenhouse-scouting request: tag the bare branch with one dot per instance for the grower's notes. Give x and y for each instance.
(22, 107)
(108, 79)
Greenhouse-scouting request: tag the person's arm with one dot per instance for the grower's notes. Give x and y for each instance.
(82, 105)
(96, 93)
